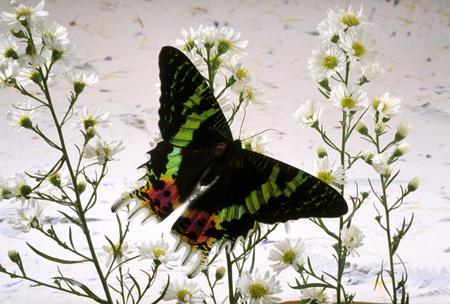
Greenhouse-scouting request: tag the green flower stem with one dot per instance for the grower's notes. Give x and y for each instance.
(211, 286)
(78, 205)
(230, 277)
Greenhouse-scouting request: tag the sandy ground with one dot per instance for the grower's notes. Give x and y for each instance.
(122, 40)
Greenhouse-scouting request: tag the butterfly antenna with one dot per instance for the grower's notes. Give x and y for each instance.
(263, 131)
(242, 122)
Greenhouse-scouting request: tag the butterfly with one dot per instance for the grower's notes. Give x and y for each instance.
(228, 188)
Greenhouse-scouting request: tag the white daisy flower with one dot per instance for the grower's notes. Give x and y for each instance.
(117, 252)
(229, 41)
(328, 30)
(55, 37)
(91, 119)
(22, 116)
(326, 60)
(347, 18)
(184, 292)
(9, 69)
(380, 162)
(287, 254)
(27, 76)
(103, 151)
(309, 113)
(249, 95)
(208, 35)
(8, 47)
(371, 70)
(6, 191)
(258, 288)
(257, 143)
(21, 188)
(348, 98)
(190, 40)
(352, 239)
(240, 74)
(358, 45)
(28, 217)
(80, 78)
(23, 15)
(329, 171)
(386, 106)
(159, 252)
(314, 296)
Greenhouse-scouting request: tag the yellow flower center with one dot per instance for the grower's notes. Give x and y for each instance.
(330, 62)
(348, 102)
(325, 176)
(241, 73)
(23, 12)
(250, 94)
(350, 20)
(184, 294)
(158, 252)
(288, 256)
(376, 103)
(257, 290)
(359, 49)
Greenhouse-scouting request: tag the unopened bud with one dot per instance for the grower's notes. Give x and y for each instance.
(379, 128)
(220, 273)
(14, 256)
(90, 132)
(55, 179)
(23, 190)
(361, 128)
(402, 131)
(78, 87)
(413, 184)
(321, 152)
(401, 150)
(81, 186)
(25, 122)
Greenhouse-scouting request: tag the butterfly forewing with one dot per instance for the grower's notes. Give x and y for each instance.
(189, 115)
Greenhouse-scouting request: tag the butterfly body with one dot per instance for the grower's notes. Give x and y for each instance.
(228, 188)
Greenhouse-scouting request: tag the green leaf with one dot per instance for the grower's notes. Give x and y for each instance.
(53, 259)
(71, 219)
(82, 287)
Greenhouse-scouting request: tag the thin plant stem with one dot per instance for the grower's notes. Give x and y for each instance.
(230, 277)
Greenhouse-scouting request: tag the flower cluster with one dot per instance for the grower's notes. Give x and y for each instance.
(217, 52)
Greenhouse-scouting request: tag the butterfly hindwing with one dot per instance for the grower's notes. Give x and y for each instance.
(189, 115)
(250, 187)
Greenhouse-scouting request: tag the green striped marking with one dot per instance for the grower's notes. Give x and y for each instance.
(233, 212)
(185, 134)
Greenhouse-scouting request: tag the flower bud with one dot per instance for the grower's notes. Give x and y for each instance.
(81, 186)
(361, 128)
(401, 150)
(379, 128)
(367, 156)
(25, 122)
(78, 87)
(90, 133)
(36, 77)
(23, 190)
(321, 152)
(402, 131)
(14, 256)
(11, 53)
(364, 194)
(220, 273)
(413, 184)
(55, 179)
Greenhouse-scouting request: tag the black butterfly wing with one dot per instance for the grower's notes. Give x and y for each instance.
(249, 187)
(189, 115)
(193, 130)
